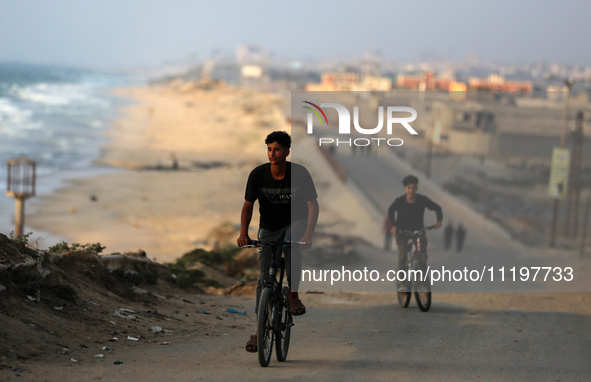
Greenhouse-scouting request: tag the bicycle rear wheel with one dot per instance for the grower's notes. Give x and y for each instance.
(423, 295)
(283, 335)
(265, 332)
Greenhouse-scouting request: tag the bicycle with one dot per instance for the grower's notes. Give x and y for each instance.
(274, 321)
(421, 289)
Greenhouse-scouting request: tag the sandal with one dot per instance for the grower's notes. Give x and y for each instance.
(251, 345)
(296, 308)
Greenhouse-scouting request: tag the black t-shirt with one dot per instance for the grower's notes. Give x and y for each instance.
(409, 216)
(280, 201)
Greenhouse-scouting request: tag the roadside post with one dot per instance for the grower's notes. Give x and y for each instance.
(574, 190)
(20, 185)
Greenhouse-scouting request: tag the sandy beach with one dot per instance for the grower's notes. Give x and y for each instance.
(215, 136)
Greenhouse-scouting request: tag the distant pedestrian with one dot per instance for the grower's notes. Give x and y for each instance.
(448, 235)
(387, 234)
(460, 237)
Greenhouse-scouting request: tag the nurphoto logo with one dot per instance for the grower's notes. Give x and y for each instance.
(344, 122)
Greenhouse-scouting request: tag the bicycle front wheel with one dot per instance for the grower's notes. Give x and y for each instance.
(404, 299)
(265, 333)
(284, 333)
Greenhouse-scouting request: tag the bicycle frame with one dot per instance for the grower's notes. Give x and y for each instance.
(271, 281)
(413, 238)
(421, 289)
(277, 263)
(414, 250)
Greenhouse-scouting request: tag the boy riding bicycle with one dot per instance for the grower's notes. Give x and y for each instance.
(407, 213)
(288, 212)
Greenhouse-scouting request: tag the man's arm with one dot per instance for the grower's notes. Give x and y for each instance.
(313, 212)
(245, 218)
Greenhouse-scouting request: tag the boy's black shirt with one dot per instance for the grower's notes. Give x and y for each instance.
(410, 216)
(277, 197)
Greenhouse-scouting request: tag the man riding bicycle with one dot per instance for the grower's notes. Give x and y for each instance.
(407, 213)
(288, 212)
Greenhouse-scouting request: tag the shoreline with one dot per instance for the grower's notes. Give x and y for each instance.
(113, 206)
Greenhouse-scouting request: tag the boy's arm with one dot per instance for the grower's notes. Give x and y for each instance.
(438, 211)
(245, 218)
(313, 212)
(392, 217)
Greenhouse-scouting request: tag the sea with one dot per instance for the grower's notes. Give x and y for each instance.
(59, 117)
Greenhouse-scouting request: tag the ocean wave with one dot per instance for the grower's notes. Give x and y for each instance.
(59, 94)
(55, 116)
(96, 124)
(14, 119)
(11, 112)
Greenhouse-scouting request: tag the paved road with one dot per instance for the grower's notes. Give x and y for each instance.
(490, 262)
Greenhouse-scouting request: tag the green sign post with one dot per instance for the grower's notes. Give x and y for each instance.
(557, 187)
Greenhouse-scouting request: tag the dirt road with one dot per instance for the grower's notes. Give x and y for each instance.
(351, 337)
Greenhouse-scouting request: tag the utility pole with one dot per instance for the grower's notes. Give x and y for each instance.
(569, 85)
(585, 222)
(421, 95)
(429, 156)
(574, 189)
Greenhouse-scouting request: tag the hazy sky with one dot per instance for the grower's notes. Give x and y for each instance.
(148, 32)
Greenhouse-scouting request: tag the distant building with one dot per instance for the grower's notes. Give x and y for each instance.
(425, 81)
(522, 127)
(497, 83)
(428, 81)
(374, 83)
(253, 76)
(335, 82)
(557, 93)
(252, 55)
(254, 63)
(464, 128)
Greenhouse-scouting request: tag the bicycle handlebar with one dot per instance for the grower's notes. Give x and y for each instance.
(415, 233)
(257, 243)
